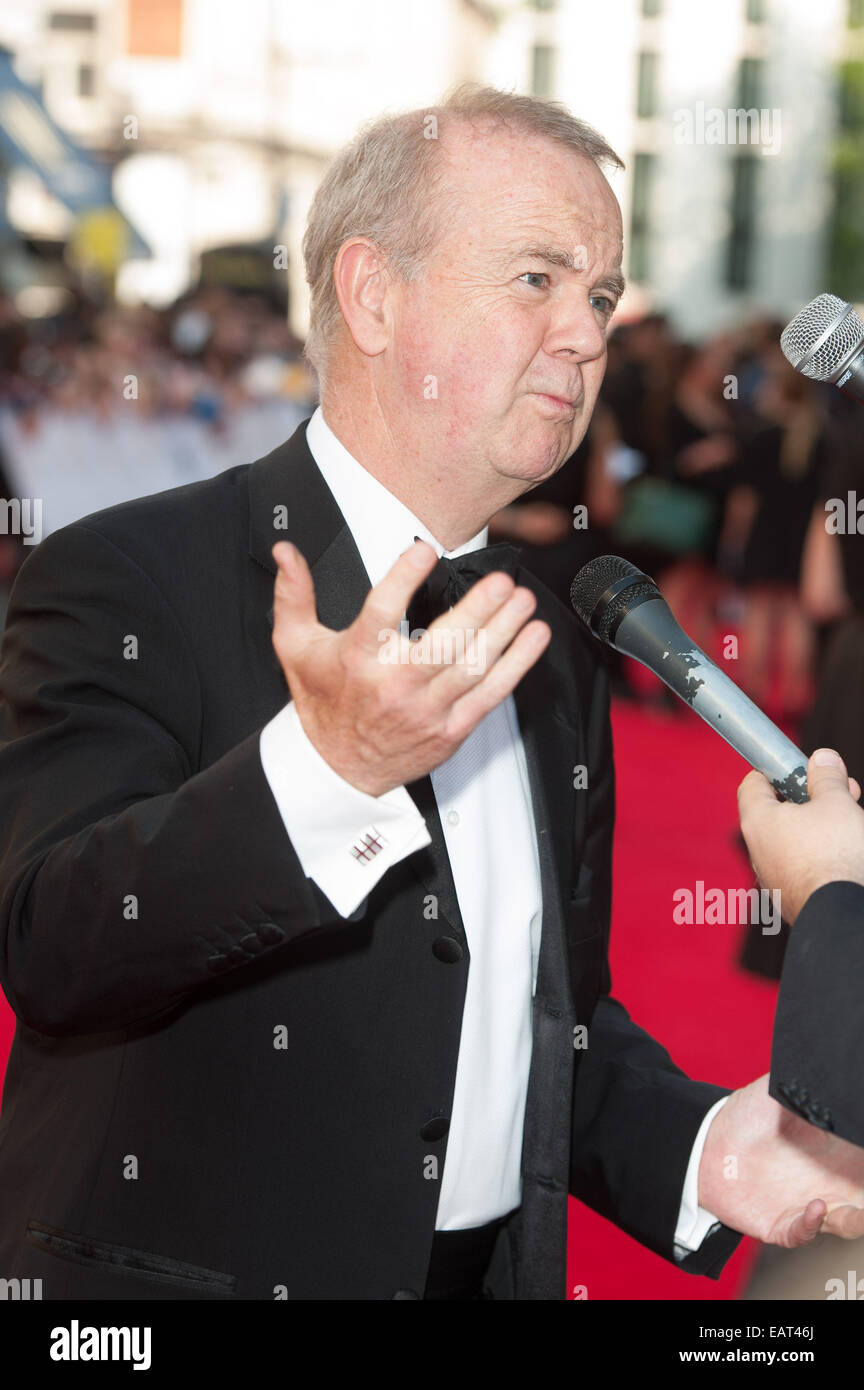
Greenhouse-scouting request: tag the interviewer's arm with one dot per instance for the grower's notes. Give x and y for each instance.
(818, 1039)
(814, 855)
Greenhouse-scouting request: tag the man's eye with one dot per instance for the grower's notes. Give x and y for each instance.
(536, 275)
(604, 304)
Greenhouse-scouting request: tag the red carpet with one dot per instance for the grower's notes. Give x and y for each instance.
(676, 817)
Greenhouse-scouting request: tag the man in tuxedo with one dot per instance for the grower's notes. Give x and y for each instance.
(814, 855)
(308, 944)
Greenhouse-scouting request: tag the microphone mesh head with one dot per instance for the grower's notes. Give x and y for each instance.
(594, 579)
(822, 337)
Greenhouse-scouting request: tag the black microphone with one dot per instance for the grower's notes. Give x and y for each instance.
(623, 607)
(825, 341)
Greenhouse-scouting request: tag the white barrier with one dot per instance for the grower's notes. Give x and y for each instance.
(78, 464)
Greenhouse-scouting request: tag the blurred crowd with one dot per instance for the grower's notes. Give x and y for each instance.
(100, 404)
(211, 352)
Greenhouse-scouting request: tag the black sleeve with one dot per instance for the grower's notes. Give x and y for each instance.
(128, 874)
(819, 1025)
(636, 1114)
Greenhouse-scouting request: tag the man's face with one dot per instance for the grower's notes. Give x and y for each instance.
(509, 315)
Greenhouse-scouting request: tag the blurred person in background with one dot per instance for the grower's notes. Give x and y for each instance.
(700, 451)
(832, 595)
(670, 405)
(755, 342)
(640, 382)
(770, 507)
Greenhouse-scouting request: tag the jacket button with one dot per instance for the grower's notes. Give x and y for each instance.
(446, 949)
(217, 962)
(269, 933)
(237, 956)
(405, 1293)
(435, 1128)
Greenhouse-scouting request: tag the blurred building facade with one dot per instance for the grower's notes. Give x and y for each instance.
(725, 214)
(220, 117)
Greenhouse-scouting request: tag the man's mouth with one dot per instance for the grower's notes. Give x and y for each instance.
(563, 404)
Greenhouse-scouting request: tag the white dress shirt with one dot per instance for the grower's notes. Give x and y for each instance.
(346, 840)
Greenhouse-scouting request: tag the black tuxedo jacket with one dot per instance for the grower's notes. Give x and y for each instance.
(218, 1088)
(819, 1024)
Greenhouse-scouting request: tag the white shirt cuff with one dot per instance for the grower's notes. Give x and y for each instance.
(344, 838)
(694, 1222)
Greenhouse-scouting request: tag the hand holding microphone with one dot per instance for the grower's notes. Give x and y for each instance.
(798, 849)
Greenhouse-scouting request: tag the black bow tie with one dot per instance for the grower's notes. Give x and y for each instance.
(452, 578)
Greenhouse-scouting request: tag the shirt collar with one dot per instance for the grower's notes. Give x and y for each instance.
(382, 526)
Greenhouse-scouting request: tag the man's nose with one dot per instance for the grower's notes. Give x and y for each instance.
(575, 327)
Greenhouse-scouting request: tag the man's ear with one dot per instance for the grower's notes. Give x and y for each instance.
(362, 280)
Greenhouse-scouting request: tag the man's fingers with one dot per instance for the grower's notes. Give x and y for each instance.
(485, 598)
(826, 772)
(806, 1225)
(475, 650)
(500, 680)
(294, 592)
(386, 604)
(844, 1220)
(753, 792)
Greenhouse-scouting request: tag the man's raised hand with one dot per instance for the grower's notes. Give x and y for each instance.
(381, 722)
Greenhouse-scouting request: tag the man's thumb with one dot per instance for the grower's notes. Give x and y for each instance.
(294, 595)
(826, 771)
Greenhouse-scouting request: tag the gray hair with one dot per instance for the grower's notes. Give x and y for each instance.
(385, 185)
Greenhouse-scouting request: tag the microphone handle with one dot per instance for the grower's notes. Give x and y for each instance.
(650, 634)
